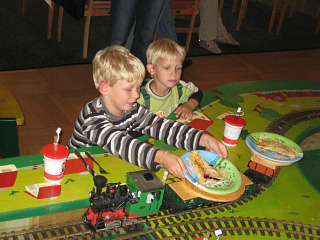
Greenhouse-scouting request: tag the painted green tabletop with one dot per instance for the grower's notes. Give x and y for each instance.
(294, 195)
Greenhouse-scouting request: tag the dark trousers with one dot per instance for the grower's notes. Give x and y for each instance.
(146, 13)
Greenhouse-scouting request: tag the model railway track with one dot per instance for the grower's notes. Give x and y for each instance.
(165, 229)
(199, 227)
(68, 230)
(284, 123)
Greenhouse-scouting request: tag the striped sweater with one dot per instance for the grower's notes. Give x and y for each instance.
(96, 126)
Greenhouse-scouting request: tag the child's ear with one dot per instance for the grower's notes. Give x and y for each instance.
(104, 88)
(150, 68)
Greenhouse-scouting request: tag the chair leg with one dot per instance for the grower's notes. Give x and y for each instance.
(221, 6)
(318, 27)
(318, 12)
(23, 9)
(50, 19)
(292, 8)
(302, 5)
(60, 17)
(241, 14)
(273, 15)
(234, 8)
(86, 36)
(246, 8)
(282, 14)
(318, 22)
(190, 30)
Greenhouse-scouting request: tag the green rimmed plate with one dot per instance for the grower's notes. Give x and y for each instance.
(253, 138)
(233, 176)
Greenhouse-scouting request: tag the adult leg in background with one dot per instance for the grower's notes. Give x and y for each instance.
(121, 20)
(147, 16)
(166, 26)
(212, 30)
(210, 20)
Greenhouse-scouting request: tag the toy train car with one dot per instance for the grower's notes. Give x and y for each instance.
(262, 171)
(140, 196)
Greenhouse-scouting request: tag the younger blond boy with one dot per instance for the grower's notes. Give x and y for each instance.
(165, 92)
(107, 120)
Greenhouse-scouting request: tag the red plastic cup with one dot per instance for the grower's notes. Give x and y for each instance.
(55, 156)
(232, 130)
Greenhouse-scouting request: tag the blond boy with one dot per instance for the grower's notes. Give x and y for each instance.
(165, 92)
(107, 120)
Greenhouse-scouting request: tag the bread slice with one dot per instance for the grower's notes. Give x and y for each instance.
(277, 146)
(206, 174)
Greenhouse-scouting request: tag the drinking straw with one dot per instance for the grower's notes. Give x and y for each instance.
(56, 139)
(237, 114)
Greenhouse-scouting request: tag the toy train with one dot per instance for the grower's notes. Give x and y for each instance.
(140, 196)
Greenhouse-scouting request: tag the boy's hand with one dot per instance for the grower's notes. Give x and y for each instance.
(173, 164)
(185, 111)
(213, 145)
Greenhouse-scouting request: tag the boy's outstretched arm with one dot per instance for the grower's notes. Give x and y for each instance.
(213, 145)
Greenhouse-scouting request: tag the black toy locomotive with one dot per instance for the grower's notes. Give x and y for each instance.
(141, 195)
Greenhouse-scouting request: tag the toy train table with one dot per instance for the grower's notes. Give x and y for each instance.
(275, 202)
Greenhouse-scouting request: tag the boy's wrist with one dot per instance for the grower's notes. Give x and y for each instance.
(158, 160)
(192, 103)
(161, 158)
(158, 156)
(204, 139)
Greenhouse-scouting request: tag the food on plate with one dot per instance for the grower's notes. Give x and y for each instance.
(276, 146)
(206, 174)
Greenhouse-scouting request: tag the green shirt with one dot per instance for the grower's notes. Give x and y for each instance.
(163, 106)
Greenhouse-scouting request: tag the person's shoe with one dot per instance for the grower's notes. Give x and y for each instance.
(210, 46)
(227, 39)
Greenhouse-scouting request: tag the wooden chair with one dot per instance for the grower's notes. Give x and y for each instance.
(221, 6)
(103, 8)
(23, 9)
(301, 10)
(92, 9)
(318, 22)
(276, 6)
(50, 15)
(294, 4)
(186, 8)
(50, 20)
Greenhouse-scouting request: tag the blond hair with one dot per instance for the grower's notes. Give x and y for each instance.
(164, 49)
(116, 63)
